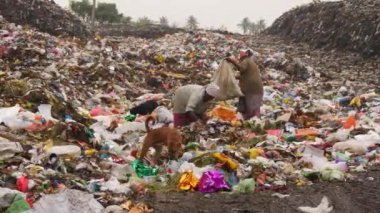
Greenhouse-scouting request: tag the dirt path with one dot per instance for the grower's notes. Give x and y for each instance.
(355, 196)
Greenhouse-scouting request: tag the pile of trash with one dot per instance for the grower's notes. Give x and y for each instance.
(44, 15)
(68, 133)
(151, 31)
(354, 25)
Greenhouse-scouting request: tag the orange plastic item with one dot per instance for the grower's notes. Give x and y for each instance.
(188, 181)
(261, 179)
(306, 132)
(224, 113)
(351, 122)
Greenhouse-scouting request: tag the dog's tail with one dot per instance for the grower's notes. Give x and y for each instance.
(148, 119)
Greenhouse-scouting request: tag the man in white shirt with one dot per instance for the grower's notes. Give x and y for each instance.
(190, 103)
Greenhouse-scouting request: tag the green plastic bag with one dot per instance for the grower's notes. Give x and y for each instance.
(143, 170)
(245, 186)
(192, 145)
(129, 117)
(18, 205)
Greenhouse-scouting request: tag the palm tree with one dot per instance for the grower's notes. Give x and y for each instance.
(164, 21)
(245, 24)
(192, 23)
(253, 28)
(261, 25)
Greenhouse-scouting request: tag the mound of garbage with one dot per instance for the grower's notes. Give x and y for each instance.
(152, 31)
(346, 25)
(44, 15)
(68, 136)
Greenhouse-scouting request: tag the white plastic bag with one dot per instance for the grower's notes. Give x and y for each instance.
(45, 111)
(8, 149)
(71, 150)
(198, 172)
(224, 77)
(68, 201)
(164, 115)
(315, 156)
(130, 127)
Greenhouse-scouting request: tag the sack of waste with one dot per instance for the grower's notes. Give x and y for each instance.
(224, 77)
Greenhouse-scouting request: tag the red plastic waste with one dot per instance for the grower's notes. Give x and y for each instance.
(351, 122)
(22, 184)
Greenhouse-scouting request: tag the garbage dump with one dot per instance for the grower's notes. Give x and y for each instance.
(44, 15)
(68, 136)
(151, 31)
(354, 25)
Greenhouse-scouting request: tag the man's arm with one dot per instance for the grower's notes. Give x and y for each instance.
(234, 62)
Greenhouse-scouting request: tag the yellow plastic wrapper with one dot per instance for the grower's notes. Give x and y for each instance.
(236, 123)
(90, 152)
(160, 58)
(356, 102)
(97, 37)
(188, 181)
(222, 158)
(255, 152)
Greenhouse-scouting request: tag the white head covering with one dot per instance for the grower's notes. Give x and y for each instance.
(212, 89)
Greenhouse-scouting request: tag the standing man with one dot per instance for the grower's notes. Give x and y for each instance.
(190, 103)
(250, 84)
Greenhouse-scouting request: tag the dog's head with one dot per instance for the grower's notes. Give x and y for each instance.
(176, 150)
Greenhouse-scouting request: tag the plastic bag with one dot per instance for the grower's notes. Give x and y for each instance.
(12, 118)
(188, 181)
(224, 77)
(198, 172)
(143, 170)
(245, 186)
(8, 149)
(45, 111)
(212, 181)
(332, 175)
(67, 201)
(70, 150)
(18, 205)
(315, 156)
(230, 163)
(130, 127)
(350, 123)
(7, 196)
(114, 185)
(164, 115)
(22, 184)
(224, 113)
(255, 152)
(360, 144)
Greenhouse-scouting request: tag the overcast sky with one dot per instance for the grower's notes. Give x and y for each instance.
(209, 13)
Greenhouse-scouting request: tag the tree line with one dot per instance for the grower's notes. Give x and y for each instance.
(108, 13)
(252, 27)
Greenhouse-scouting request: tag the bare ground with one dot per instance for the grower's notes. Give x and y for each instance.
(359, 195)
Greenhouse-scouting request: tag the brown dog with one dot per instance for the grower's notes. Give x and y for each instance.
(163, 136)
